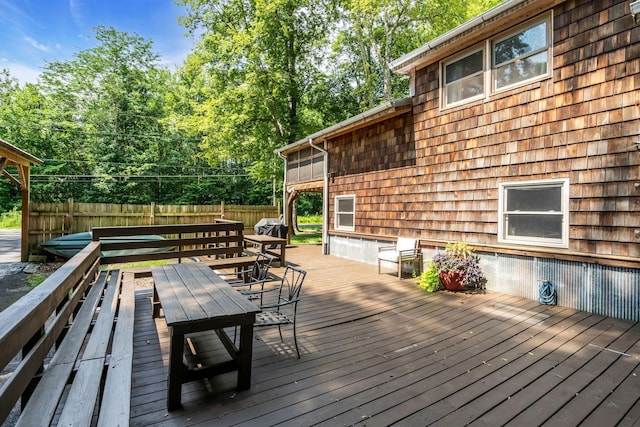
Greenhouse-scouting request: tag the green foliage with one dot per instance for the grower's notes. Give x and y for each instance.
(11, 219)
(308, 204)
(429, 280)
(36, 278)
(113, 125)
(251, 69)
(310, 219)
(458, 250)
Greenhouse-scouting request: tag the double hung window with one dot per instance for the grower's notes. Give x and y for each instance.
(534, 213)
(464, 78)
(345, 207)
(514, 58)
(521, 56)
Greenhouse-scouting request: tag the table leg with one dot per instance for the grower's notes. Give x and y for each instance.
(244, 357)
(176, 370)
(283, 246)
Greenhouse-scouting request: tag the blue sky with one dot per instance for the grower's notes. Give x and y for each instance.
(34, 32)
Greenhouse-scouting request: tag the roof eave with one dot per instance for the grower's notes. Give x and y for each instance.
(18, 155)
(422, 55)
(358, 120)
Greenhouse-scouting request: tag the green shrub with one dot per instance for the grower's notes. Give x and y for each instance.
(11, 219)
(429, 279)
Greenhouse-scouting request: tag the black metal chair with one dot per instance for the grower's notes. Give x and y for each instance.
(258, 274)
(283, 311)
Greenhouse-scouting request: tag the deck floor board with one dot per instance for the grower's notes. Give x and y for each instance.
(379, 351)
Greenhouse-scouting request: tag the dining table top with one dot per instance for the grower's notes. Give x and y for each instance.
(193, 292)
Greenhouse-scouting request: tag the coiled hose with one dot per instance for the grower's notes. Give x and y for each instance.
(547, 293)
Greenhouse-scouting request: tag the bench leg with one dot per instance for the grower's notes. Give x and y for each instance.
(176, 370)
(155, 303)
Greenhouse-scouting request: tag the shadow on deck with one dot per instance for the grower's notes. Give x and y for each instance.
(379, 351)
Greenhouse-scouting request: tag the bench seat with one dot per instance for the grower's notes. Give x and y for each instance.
(97, 346)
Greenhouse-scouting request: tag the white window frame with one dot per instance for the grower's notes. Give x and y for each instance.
(529, 24)
(489, 79)
(337, 225)
(443, 77)
(503, 214)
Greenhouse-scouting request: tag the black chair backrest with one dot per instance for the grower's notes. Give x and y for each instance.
(291, 285)
(260, 267)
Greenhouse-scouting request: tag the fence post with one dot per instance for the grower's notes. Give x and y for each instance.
(153, 213)
(69, 218)
(222, 209)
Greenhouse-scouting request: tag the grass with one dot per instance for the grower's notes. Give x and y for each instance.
(11, 219)
(308, 235)
(36, 278)
(307, 238)
(311, 219)
(136, 264)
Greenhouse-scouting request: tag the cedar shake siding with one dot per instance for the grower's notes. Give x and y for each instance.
(382, 146)
(581, 123)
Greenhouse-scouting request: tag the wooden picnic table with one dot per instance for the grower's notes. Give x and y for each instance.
(266, 243)
(194, 299)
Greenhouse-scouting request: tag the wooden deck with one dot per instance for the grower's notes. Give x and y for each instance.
(378, 351)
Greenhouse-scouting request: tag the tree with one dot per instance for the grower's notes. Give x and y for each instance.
(377, 31)
(106, 108)
(255, 62)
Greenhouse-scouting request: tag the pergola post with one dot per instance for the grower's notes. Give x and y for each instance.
(25, 176)
(12, 156)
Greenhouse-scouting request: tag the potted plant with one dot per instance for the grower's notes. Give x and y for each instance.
(429, 280)
(459, 268)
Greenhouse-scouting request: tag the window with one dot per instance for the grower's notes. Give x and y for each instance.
(345, 212)
(534, 213)
(521, 56)
(509, 60)
(305, 165)
(464, 78)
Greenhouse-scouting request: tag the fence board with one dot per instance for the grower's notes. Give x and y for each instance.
(50, 220)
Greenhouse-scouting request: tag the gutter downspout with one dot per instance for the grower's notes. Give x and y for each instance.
(284, 190)
(325, 199)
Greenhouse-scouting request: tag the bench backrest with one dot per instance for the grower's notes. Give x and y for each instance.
(222, 238)
(22, 324)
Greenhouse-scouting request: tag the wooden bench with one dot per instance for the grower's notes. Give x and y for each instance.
(241, 263)
(221, 239)
(71, 339)
(98, 343)
(264, 243)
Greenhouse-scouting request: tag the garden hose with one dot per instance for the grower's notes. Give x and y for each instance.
(547, 293)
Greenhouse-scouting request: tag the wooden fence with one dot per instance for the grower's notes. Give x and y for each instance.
(50, 220)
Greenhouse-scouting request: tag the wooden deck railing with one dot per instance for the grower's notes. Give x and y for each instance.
(39, 321)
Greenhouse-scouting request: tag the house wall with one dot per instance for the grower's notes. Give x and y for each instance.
(443, 167)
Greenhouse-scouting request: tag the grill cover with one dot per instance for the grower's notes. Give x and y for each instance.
(271, 227)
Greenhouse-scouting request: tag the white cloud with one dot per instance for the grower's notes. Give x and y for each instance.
(76, 12)
(36, 44)
(23, 73)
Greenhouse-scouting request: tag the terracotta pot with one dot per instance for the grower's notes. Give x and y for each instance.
(451, 280)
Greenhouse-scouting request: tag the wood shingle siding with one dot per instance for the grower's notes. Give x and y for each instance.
(434, 173)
